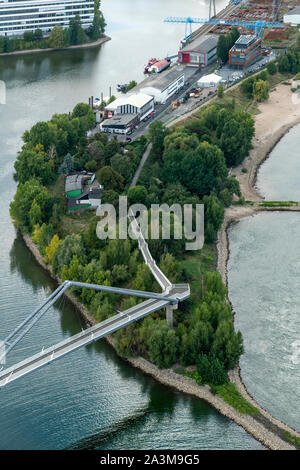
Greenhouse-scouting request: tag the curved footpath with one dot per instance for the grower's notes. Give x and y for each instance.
(50, 49)
(265, 428)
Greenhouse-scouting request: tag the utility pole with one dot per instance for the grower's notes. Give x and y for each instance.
(212, 8)
(275, 10)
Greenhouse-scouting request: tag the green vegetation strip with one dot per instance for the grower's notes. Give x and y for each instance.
(291, 438)
(231, 395)
(278, 203)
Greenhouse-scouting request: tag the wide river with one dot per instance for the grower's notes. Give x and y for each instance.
(263, 276)
(90, 399)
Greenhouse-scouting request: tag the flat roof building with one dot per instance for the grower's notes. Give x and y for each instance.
(138, 103)
(200, 52)
(293, 16)
(163, 86)
(120, 123)
(19, 16)
(245, 51)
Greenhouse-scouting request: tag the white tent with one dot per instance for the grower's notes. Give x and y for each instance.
(211, 80)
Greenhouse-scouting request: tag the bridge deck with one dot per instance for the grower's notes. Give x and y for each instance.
(180, 292)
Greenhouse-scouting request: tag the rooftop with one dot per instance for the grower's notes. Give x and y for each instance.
(79, 181)
(138, 100)
(122, 119)
(294, 11)
(73, 182)
(211, 78)
(163, 80)
(204, 43)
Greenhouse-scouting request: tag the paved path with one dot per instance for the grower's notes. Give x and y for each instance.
(140, 167)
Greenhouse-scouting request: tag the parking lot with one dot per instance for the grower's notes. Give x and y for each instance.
(232, 75)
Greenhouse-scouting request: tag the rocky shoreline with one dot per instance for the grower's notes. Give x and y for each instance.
(264, 428)
(50, 49)
(168, 377)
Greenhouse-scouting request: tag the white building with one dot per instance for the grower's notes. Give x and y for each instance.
(211, 80)
(293, 16)
(138, 103)
(163, 86)
(19, 16)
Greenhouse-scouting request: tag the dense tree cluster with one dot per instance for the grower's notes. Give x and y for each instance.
(47, 144)
(225, 43)
(205, 338)
(257, 86)
(188, 164)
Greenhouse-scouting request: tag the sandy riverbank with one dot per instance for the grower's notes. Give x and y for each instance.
(276, 117)
(50, 49)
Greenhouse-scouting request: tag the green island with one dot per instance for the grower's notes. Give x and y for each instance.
(188, 164)
(59, 37)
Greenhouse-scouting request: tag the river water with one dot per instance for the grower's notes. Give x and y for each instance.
(278, 177)
(91, 398)
(263, 277)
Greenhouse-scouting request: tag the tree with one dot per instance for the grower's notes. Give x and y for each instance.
(98, 25)
(220, 91)
(20, 207)
(56, 38)
(67, 165)
(33, 163)
(247, 86)
(200, 171)
(211, 370)
(28, 36)
(51, 248)
(222, 48)
(169, 267)
(163, 345)
(227, 345)
(272, 68)
(96, 150)
(35, 214)
(70, 246)
(80, 110)
(110, 150)
(77, 33)
(123, 165)
(137, 195)
(110, 179)
(284, 64)
(214, 213)
(38, 34)
(157, 133)
(261, 90)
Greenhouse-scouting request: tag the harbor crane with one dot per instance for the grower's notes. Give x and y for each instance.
(258, 25)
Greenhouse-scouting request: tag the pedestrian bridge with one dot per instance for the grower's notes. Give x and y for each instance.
(171, 295)
(177, 293)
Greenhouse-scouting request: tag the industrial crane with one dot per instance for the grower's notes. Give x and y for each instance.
(258, 25)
